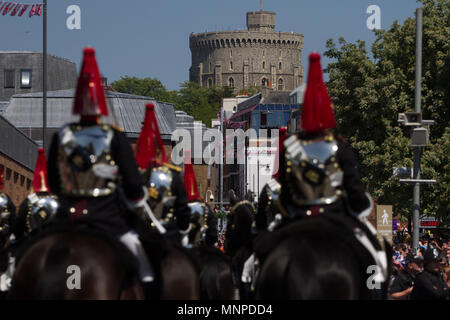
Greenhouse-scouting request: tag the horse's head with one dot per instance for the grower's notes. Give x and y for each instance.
(239, 224)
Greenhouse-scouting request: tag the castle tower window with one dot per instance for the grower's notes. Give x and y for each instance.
(264, 65)
(279, 66)
(280, 84)
(231, 53)
(231, 83)
(231, 65)
(9, 79)
(210, 69)
(210, 83)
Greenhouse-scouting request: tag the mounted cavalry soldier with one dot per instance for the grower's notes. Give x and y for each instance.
(203, 219)
(7, 216)
(318, 176)
(40, 206)
(91, 162)
(318, 170)
(7, 237)
(166, 194)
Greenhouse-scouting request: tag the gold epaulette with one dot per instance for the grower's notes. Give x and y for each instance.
(171, 166)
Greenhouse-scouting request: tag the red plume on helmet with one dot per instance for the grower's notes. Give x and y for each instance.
(40, 180)
(282, 132)
(317, 114)
(90, 95)
(190, 183)
(149, 138)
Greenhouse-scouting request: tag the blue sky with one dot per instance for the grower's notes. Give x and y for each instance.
(150, 38)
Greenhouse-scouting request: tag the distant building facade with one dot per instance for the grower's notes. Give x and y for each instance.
(258, 56)
(21, 72)
(270, 110)
(17, 160)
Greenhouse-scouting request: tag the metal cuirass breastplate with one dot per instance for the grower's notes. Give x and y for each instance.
(4, 214)
(85, 163)
(41, 209)
(313, 173)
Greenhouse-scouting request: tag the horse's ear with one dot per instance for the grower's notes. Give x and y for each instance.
(232, 196)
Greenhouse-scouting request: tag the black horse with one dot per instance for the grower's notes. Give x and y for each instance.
(315, 259)
(238, 238)
(215, 267)
(108, 271)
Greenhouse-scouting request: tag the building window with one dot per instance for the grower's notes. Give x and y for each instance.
(25, 78)
(279, 66)
(9, 78)
(231, 83)
(8, 173)
(16, 177)
(265, 82)
(264, 65)
(263, 122)
(22, 180)
(210, 83)
(280, 84)
(231, 53)
(28, 184)
(231, 65)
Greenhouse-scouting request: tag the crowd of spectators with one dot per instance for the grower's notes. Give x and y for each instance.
(423, 273)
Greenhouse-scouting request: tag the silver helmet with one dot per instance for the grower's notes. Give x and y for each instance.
(160, 195)
(199, 216)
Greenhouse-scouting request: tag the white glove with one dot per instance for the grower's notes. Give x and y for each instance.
(185, 237)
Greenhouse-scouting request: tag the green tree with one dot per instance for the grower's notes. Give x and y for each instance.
(202, 103)
(147, 87)
(368, 94)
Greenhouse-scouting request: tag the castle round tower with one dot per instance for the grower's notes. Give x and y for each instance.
(258, 56)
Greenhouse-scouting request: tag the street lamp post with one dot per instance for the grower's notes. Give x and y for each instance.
(417, 108)
(44, 76)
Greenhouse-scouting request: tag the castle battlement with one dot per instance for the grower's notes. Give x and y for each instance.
(258, 56)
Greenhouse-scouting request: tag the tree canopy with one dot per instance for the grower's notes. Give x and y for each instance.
(369, 92)
(201, 103)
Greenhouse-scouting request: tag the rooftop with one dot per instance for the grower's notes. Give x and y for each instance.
(126, 111)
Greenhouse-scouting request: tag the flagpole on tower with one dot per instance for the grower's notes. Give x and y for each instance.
(44, 80)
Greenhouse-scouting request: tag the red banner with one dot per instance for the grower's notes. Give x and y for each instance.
(24, 8)
(16, 9)
(8, 8)
(19, 9)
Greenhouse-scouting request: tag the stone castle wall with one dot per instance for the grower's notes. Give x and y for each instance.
(245, 58)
